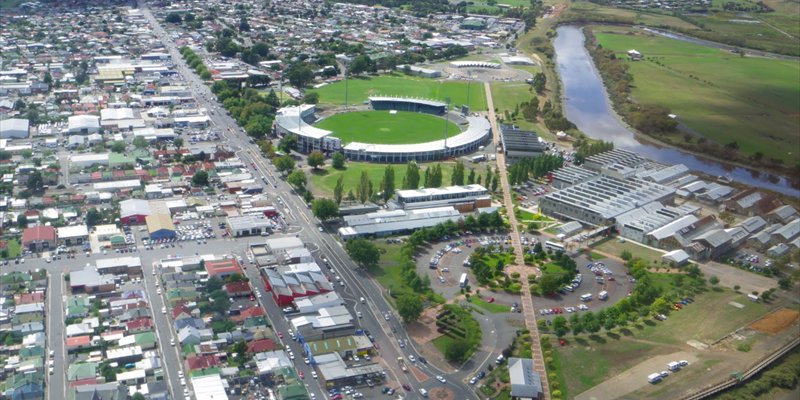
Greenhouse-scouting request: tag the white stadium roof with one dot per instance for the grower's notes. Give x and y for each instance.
(410, 100)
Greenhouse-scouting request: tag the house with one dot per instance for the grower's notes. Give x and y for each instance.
(28, 391)
(103, 391)
(39, 238)
(222, 268)
(74, 343)
(258, 346)
(202, 362)
(525, 381)
(189, 335)
(238, 289)
(180, 311)
(139, 325)
(81, 371)
(778, 251)
(175, 296)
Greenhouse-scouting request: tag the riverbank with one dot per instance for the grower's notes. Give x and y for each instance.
(784, 172)
(587, 104)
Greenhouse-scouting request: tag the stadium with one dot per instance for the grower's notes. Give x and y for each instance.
(406, 137)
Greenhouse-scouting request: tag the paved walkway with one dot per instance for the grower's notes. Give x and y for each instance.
(527, 301)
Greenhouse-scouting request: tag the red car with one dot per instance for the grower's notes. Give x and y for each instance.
(280, 335)
(376, 346)
(519, 198)
(300, 373)
(678, 305)
(336, 397)
(611, 278)
(561, 342)
(252, 298)
(406, 387)
(252, 165)
(491, 300)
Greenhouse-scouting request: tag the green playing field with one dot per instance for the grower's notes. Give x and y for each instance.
(382, 127)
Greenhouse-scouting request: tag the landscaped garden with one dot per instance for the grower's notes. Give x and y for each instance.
(461, 334)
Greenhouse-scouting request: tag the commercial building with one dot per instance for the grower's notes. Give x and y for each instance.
(384, 223)
(88, 280)
(518, 143)
(637, 223)
(222, 268)
(331, 322)
(290, 282)
(335, 373)
(568, 229)
(462, 198)
(75, 235)
(346, 346)
(130, 266)
(134, 211)
(14, 128)
(160, 226)
(517, 60)
(525, 381)
(282, 245)
(247, 225)
(87, 160)
(39, 238)
(570, 176)
(598, 202)
(82, 125)
(617, 156)
(114, 186)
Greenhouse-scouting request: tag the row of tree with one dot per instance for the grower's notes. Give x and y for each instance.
(247, 106)
(535, 168)
(195, 62)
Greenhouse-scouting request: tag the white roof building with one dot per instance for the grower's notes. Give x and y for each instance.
(83, 124)
(14, 128)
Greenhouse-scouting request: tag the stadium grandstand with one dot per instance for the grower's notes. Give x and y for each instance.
(293, 120)
(473, 64)
(465, 142)
(408, 104)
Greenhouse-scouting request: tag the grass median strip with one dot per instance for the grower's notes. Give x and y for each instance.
(491, 307)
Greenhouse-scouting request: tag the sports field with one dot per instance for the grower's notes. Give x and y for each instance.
(382, 127)
(719, 95)
(359, 89)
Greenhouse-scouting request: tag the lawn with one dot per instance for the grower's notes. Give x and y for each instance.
(724, 97)
(359, 89)
(613, 246)
(591, 361)
(14, 247)
(441, 343)
(324, 181)
(493, 308)
(381, 127)
(661, 280)
(507, 95)
(551, 268)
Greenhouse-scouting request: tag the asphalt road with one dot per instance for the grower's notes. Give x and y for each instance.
(298, 215)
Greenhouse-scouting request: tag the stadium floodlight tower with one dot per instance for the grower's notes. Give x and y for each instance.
(446, 123)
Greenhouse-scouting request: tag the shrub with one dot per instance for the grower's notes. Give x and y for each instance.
(555, 393)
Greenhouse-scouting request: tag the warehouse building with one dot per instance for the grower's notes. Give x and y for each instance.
(621, 157)
(327, 323)
(14, 128)
(82, 125)
(87, 160)
(462, 198)
(637, 223)
(385, 223)
(73, 235)
(248, 225)
(570, 176)
(598, 202)
(131, 266)
(334, 372)
(133, 211)
(160, 226)
(518, 143)
(525, 381)
(346, 346)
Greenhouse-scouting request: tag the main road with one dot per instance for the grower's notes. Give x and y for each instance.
(296, 212)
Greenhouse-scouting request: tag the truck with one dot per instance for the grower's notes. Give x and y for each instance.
(402, 364)
(479, 158)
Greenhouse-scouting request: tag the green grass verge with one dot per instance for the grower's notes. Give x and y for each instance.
(493, 308)
(551, 268)
(504, 394)
(724, 97)
(613, 246)
(441, 343)
(381, 127)
(323, 181)
(596, 256)
(359, 90)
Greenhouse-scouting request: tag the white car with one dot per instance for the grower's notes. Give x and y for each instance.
(180, 374)
(386, 316)
(359, 314)
(186, 393)
(172, 342)
(441, 379)
(412, 359)
(158, 291)
(307, 361)
(183, 382)
(314, 374)
(163, 310)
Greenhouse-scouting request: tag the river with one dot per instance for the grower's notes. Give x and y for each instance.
(587, 106)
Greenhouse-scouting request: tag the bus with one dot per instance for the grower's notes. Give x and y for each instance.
(553, 246)
(478, 159)
(464, 280)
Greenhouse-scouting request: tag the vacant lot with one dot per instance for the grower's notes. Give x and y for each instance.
(359, 89)
(614, 247)
(382, 127)
(724, 97)
(590, 361)
(323, 181)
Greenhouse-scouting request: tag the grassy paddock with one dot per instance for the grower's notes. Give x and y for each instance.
(323, 181)
(381, 127)
(724, 97)
(613, 246)
(359, 89)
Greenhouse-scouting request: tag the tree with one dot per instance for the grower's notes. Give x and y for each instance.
(412, 176)
(409, 306)
(118, 147)
(26, 153)
(549, 283)
(93, 217)
(48, 79)
(297, 179)
(471, 176)
(457, 350)
(311, 98)
(22, 221)
(300, 75)
(457, 179)
(626, 255)
(337, 160)
(364, 188)
(363, 252)
(138, 396)
(173, 18)
(236, 277)
(240, 349)
(713, 280)
(316, 158)
(726, 217)
(213, 284)
(140, 142)
(200, 178)
(325, 209)
(5, 155)
(287, 144)
(387, 184)
(338, 191)
(178, 143)
(284, 164)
